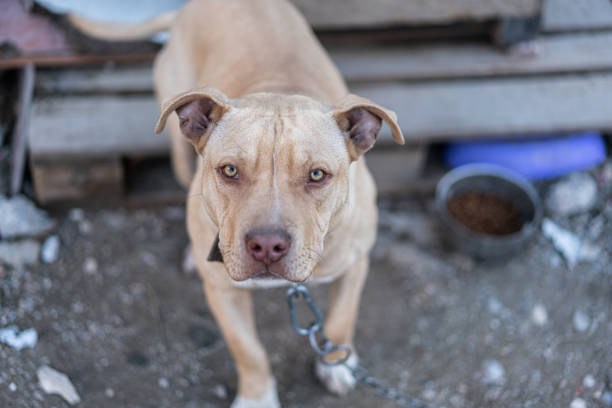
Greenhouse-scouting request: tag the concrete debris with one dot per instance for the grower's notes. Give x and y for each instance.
(568, 244)
(588, 381)
(20, 218)
(19, 253)
(573, 194)
(494, 372)
(581, 321)
(606, 398)
(578, 403)
(54, 382)
(50, 249)
(11, 336)
(539, 315)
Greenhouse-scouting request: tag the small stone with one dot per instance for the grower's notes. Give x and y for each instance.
(189, 266)
(220, 391)
(90, 266)
(578, 403)
(20, 218)
(50, 249)
(54, 382)
(581, 321)
(429, 394)
(85, 227)
(494, 372)
(13, 387)
(539, 315)
(163, 383)
(12, 337)
(109, 392)
(20, 253)
(76, 215)
(588, 381)
(606, 398)
(494, 306)
(576, 193)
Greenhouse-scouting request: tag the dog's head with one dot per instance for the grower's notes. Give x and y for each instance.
(275, 172)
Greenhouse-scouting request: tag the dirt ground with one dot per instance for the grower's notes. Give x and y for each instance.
(118, 315)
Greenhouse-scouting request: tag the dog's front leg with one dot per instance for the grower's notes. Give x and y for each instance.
(345, 294)
(233, 311)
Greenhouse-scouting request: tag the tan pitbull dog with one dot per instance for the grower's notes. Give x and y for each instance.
(280, 178)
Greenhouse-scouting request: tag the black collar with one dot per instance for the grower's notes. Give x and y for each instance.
(215, 254)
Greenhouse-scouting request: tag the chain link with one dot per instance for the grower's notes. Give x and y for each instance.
(324, 347)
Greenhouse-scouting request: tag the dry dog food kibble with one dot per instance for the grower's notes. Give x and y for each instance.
(485, 213)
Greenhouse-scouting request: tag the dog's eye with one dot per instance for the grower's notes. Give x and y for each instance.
(230, 171)
(317, 175)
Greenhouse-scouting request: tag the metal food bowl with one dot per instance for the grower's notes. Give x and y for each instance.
(496, 181)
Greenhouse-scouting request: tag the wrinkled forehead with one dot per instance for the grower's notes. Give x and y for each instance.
(282, 124)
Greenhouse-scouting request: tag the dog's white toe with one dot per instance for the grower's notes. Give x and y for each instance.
(338, 379)
(269, 400)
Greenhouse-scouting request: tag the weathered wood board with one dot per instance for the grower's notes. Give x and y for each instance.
(363, 13)
(95, 126)
(70, 180)
(572, 15)
(556, 54)
(496, 107)
(111, 125)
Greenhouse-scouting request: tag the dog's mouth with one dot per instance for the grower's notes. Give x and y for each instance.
(267, 274)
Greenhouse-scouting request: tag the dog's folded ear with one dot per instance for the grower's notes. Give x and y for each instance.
(360, 121)
(198, 110)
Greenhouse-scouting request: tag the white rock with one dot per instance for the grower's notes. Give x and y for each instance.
(494, 372)
(588, 381)
(19, 253)
(76, 215)
(568, 244)
(11, 336)
(220, 391)
(189, 266)
(539, 315)
(50, 249)
(573, 194)
(581, 321)
(13, 387)
(578, 403)
(21, 218)
(163, 383)
(54, 382)
(109, 392)
(90, 266)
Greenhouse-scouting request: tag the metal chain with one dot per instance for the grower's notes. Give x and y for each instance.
(323, 347)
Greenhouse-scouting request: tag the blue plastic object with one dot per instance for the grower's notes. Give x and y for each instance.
(535, 159)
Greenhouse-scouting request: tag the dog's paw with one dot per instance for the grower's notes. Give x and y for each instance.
(338, 379)
(269, 400)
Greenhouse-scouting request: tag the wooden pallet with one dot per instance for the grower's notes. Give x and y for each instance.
(440, 92)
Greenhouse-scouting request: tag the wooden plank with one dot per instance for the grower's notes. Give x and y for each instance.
(98, 126)
(107, 79)
(58, 181)
(494, 108)
(59, 60)
(110, 125)
(360, 13)
(572, 15)
(557, 54)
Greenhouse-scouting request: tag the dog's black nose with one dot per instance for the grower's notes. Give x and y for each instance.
(268, 245)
